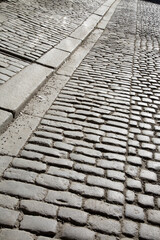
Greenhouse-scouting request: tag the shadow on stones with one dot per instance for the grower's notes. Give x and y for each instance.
(153, 1)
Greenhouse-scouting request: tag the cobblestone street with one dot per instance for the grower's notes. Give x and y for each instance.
(90, 169)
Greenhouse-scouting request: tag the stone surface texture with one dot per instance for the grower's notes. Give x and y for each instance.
(90, 169)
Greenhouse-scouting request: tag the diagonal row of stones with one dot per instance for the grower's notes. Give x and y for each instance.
(90, 170)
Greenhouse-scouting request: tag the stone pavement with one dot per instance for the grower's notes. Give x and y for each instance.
(85, 164)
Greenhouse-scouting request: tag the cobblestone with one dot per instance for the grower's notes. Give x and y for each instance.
(149, 232)
(75, 216)
(8, 217)
(103, 208)
(6, 234)
(146, 200)
(105, 225)
(39, 208)
(64, 199)
(130, 228)
(134, 212)
(39, 224)
(79, 233)
(96, 149)
(87, 190)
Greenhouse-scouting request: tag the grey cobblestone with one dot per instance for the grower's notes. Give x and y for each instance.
(38, 224)
(73, 215)
(79, 233)
(8, 217)
(107, 209)
(39, 208)
(8, 202)
(70, 174)
(130, 228)
(52, 182)
(97, 145)
(85, 190)
(149, 232)
(134, 212)
(6, 234)
(105, 225)
(64, 199)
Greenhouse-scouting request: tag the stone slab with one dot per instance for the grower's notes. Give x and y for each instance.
(44, 98)
(54, 58)
(70, 66)
(12, 140)
(4, 163)
(69, 44)
(86, 28)
(102, 10)
(19, 89)
(5, 119)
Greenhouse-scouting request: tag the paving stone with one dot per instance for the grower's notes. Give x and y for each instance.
(153, 189)
(154, 216)
(105, 237)
(106, 183)
(132, 171)
(92, 138)
(79, 143)
(82, 158)
(116, 175)
(22, 189)
(46, 150)
(8, 202)
(22, 175)
(115, 197)
(31, 155)
(145, 200)
(145, 154)
(157, 156)
(111, 148)
(73, 215)
(27, 164)
(78, 233)
(5, 118)
(113, 129)
(114, 156)
(153, 165)
(64, 199)
(134, 184)
(40, 208)
(58, 162)
(85, 190)
(103, 208)
(41, 141)
(63, 146)
(14, 234)
(88, 152)
(70, 174)
(134, 160)
(75, 134)
(54, 136)
(38, 224)
(130, 228)
(149, 232)
(4, 163)
(65, 126)
(134, 212)
(105, 225)
(8, 217)
(148, 175)
(52, 182)
(90, 131)
(110, 164)
(89, 169)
